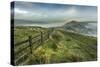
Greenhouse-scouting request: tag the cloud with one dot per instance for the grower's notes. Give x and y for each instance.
(27, 11)
(72, 11)
(23, 5)
(36, 12)
(20, 11)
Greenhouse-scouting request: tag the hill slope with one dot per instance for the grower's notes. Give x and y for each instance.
(86, 27)
(64, 46)
(61, 46)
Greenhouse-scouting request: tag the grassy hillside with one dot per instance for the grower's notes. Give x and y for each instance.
(61, 46)
(22, 32)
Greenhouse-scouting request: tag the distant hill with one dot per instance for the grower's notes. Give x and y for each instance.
(81, 27)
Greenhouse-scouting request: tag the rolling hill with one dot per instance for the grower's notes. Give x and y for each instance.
(61, 46)
(86, 28)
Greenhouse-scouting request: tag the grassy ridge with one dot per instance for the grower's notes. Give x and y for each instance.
(61, 46)
(67, 47)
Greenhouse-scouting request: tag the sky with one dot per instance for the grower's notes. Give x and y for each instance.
(53, 13)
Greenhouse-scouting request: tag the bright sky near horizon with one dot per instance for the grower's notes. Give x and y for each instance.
(53, 12)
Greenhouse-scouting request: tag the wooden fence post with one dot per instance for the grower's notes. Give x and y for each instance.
(41, 37)
(52, 29)
(48, 33)
(30, 44)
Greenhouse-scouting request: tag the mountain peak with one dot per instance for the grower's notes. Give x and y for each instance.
(74, 21)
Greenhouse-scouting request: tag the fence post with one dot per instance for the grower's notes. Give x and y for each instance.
(41, 37)
(30, 44)
(52, 29)
(48, 33)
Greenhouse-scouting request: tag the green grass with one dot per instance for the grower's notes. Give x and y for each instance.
(22, 32)
(61, 46)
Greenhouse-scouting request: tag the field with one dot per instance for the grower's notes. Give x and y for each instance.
(58, 47)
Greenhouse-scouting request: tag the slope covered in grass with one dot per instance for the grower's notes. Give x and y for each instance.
(63, 46)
